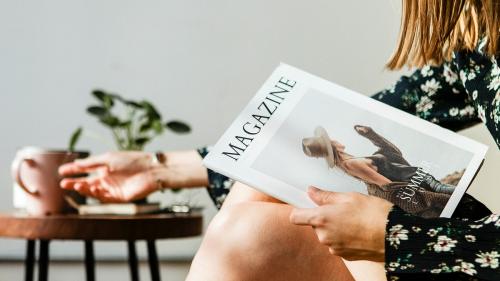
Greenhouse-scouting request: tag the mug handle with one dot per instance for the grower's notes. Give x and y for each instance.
(17, 175)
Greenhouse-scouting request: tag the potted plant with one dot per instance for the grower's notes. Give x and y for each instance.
(133, 124)
(139, 124)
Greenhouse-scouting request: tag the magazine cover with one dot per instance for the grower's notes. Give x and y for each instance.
(300, 130)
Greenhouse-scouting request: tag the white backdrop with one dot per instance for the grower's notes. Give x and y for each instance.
(200, 61)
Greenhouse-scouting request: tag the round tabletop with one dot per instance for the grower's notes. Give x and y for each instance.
(100, 227)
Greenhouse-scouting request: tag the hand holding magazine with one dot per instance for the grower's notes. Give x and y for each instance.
(300, 130)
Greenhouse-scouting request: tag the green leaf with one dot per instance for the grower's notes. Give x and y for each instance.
(108, 102)
(99, 94)
(110, 120)
(133, 104)
(97, 110)
(178, 127)
(157, 126)
(75, 136)
(105, 98)
(142, 141)
(145, 127)
(150, 110)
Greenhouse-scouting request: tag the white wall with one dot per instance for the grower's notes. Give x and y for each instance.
(200, 61)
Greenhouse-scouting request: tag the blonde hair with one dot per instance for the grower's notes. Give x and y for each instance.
(431, 30)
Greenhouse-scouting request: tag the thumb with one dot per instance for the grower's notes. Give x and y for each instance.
(322, 197)
(82, 165)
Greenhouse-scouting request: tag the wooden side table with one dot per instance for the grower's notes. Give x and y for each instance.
(99, 227)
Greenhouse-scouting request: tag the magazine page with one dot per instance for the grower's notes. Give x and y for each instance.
(300, 130)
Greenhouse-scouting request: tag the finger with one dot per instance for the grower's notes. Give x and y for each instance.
(322, 197)
(71, 169)
(99, 192)
(82, 188)
(105, 194)
(69, 183)
(95, 190)
(74, 168)
(310, 217)
(84, 165)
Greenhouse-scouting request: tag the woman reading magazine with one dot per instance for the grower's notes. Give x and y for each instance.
(455, 46)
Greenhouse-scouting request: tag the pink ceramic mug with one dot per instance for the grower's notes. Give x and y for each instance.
(36, 172)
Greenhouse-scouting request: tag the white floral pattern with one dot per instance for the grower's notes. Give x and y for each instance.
(431, 87)
(488, 259)
(465, 267)
(444, 244)
(396, 234)
(470, 238)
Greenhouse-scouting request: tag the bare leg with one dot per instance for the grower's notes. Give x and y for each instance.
(253, 240)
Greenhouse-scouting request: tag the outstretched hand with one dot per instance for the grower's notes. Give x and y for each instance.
(130, 175)
(114, 176)
(351, 224)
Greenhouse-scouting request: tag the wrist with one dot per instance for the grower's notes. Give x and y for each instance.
(183, 158)
(158, 180)
(179, 176)
(381, 224)
(181, 169)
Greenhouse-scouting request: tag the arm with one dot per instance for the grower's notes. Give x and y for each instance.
(377, 139)
(435, 94)
(131, 175)
(441, 245)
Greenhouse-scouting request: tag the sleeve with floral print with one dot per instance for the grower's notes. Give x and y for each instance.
(434, 93)
(481, 77)
(218, 184)
(442, 246)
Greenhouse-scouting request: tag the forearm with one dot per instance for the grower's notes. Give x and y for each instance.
(185, 169)
(182, 169)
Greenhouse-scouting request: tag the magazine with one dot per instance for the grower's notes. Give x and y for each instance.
(300, 130)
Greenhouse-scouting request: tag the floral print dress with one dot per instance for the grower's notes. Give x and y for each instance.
(455, 95)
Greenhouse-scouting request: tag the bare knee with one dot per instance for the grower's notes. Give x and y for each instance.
(255, 241)
(251, 228)
(242, 193)
(233, 247)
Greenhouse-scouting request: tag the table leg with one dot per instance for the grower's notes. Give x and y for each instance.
(153, 260)
(29, 260)
(43, 261)
(132, 261)
(89, 260)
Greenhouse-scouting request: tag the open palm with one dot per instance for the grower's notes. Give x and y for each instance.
(114, 177)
